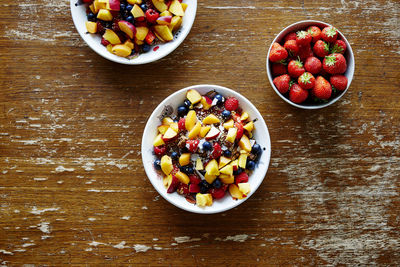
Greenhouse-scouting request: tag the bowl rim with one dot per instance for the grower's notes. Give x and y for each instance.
(332, 101)
(266, 152)
(182, 36)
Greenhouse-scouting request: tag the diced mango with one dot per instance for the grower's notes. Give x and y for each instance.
(158, 141)
(227, 179)
(244, 116)
(249, 126)
(190, 120)
(91, 26)
(210, 119)
(167, 121)
(204, 130)
(210, 178)
(244, 188)
(176, 8)
(235, 192)
(229, 124)
(162, 129)
(195, 131)
(223, 161)
(244, 143)
(212, 168)
(105, 15)
(184, 159)
(242, 161)
(228, 170)
(193, 96)
(121, 50)
(166, 164)
(231, 135)
(182, 177)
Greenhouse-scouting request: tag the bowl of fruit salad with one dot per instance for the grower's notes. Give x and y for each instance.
(206, 149)
(310, 64)
(133, 31)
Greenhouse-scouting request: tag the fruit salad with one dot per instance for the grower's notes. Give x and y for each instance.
(207, 149)
(308, 65)
(131, 27)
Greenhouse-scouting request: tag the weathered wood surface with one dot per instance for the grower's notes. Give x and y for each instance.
(72, 186)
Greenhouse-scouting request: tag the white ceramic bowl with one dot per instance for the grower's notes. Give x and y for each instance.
(261, 135)
(93, 40)
(348, 55)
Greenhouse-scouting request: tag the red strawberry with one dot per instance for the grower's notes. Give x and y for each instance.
(217, 193)
(334, 64)
(306, 80)
(339, 46)
(160, 150)
(329, 34)
(240, 129)
(194, 179)
(321, 48)
(303, 38)
(194, 188)
(322, 88)
(192, 145)
(241, 178)
(295, 68)
(290, 36)
(305, 52)
(231, 104)
(313, 65)
(151, 15)
(282, 83)
(277, 53)
(315, 33)
(278, 69)
(292, 47)
(150, 37)
(183, 189)
(104, 42)
(339, 82)
(217, 151)
(181, 124)
(297, 94)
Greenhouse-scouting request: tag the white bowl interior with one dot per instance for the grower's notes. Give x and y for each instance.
(261, 135)
(93, 40)
(348, 55)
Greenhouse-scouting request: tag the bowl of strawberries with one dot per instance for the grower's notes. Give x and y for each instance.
(310, 64)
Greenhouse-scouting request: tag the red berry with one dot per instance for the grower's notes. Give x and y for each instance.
(282, 83)
(240, 129)
(306, 81)
(241, 178)
(339, 46)
(217, 193)
(297, 94)
(150, 37)
(194, 188)
(160, 150)
(334, 64)
(231, 103)
(217, 151)
(321, 49)
(278, 69)
(100, 28)
(339, 82)
(322, 88)
(303, 38)
(194, 179)
(290, 36)
(292, 47)
(329, 34)
(181, 124)
(104, 42)
(305, 52)
(295, 68)
(277, 53)
(313, 65)
(315, 33)
(183, 189)
(192, 145)
(151, 15)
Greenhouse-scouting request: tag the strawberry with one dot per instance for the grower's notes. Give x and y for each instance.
(241, 178)
(217, 151)
(306, 80)
(290, 36)
(151, 15)
(297, 94)
(292, 47)
(313, 65)
(150, 37)
(181, 124)
(339, 46)
(334, 64)
(315, 33)
(217, 193)
(183, 189)
(277, 53)
(339, 82)
(321, 48)
(322, 88)
(303, 38)
(192, 145)
(329, 34)
(194, 188)
(160, 150)
(295, 68)
(305, 52)
(104, 42)
(239, 127)
(231, 103)
(194, 179)
(278, 69)
(282, 83)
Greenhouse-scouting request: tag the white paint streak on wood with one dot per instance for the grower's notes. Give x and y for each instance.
(141, 248)
(37, 211)
(185, 239)
(63, 169)
(44, 227)
(121, 245)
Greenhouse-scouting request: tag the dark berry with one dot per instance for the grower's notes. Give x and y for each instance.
(157, 164)
(108, 25)
(207, 146)
(91, 16)
(146, 48)
(190, 170)
(220, 98)
(227, 153)
(204, 186)
(122, 7)
(238, 171)
(130, 19)
(226, 114)
(187, 103)
(217, 183)
(143, 7)
(256, 149)
(250, 165)
(129, 7)
(182, 110)
(174, 155)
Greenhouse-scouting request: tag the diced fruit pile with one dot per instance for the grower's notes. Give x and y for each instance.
(308, 65)
(207, 149)
(131, 27)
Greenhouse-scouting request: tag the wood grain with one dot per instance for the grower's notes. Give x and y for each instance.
(72, 186)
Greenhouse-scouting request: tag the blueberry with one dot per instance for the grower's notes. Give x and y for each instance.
(250, 165)
(190, 170)
(143, 7)
(219, 98)
(217, 183)
(256, 149)
(187, 103)
(157, 164)
(204, 186)
(122, 7)
(146, 48)
(207, 146)
(108, 25)
(226, 114)
(130, 19)
(227, 153)
(238, 171)
(91, 16)
(182, 110)
(129, 7)
(174, 155)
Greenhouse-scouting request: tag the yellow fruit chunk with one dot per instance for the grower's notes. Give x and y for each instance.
(141, 33)
(109, 48)
(174, 126)
(164, 32)
(165, 13)
(235, 192)
(176, 8)
(162, 128)
(166, 180)
(223, 161)
(244, 116)
(184, 6)
(160, 5)
(199, 164)
(105, 15)
(244, 143)
(91, 26)
(203, 100)
(176, 23)
(195, 131)
(166, 164)
(169, 134)
(98, 5)
(249, 126)
(132, 2)
(209, 199)
(182, 177)
(244, 188)
(229, 124)
(204, 130)
(211, 119)
(129, 44)
(210, 178)
(212, 168)
(227, 179)
(158, 141)
(228, 170)
(93, 9)
(235, 164)
(184, 159)
(231, 135)
(242, 161)
(167, 121)
(137, 12)
(203, 200)
(190, 120)
(138, 42)
(193, 96)
(112, 37)
(121, 50)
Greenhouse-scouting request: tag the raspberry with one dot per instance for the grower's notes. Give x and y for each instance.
(217, 193)
(241, 178)
(181, 124)
(217, 151)
(160, 150)
(231, 104)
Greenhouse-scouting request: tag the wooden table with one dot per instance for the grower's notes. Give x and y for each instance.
(72, 186)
